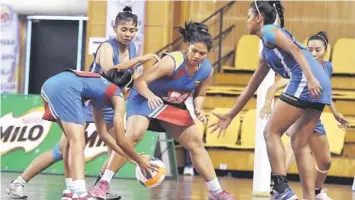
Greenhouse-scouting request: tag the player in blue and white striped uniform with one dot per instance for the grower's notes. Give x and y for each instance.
(304, 98)
(317, 45)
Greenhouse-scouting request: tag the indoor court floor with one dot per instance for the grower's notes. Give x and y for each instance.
(49, 187)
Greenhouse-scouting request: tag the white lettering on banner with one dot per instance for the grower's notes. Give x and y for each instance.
(9, 49)
(26, 132)
(30, 130)
(94, 145)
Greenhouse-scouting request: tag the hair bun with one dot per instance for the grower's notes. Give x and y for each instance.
(184, 33)
(324, 35)
(127, 9)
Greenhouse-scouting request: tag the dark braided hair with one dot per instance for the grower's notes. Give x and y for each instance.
(280, 11)
(269, 9)
(322, 36)
(121, 78)
(126, 16)
(196, 32)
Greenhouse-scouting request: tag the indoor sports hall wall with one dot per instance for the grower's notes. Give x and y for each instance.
(303, 18)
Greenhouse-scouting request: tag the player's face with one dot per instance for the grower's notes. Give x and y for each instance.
(196, 52)
(125, 31)
(252, 22)
(317, 48)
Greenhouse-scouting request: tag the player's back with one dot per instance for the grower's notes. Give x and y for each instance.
(86, 84)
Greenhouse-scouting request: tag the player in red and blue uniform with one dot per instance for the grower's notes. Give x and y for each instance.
(157, 103)
(64, 96)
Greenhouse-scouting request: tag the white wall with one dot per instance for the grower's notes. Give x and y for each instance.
(49, 7)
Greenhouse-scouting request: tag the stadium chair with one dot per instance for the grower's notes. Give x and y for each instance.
(248, 130)
(336, 135)
(247, 54)
(343, 58)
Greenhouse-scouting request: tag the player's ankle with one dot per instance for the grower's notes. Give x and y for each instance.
(280, 183)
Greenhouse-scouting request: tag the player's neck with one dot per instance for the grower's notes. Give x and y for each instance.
(122, 47)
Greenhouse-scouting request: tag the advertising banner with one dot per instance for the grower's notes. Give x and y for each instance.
(9, 42)
(24, 136)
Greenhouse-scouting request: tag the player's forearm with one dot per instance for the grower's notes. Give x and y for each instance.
(129, 150)
(241, 101)
(332, 108)
(270, 94)
(143, 89)
(111, 142)
(301, 60)
(198, 102)
(128, 64)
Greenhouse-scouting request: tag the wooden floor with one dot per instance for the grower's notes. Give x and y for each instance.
(49, 187)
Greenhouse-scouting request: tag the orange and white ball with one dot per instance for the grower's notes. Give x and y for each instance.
(157, 177)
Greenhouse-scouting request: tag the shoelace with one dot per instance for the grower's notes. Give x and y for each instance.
(19, 184)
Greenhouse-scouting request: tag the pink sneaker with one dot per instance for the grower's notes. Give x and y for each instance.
(87, 197)
(224, 195)
(99, 190)
(67, 195)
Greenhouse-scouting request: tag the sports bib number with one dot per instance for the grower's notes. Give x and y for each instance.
(176, 97)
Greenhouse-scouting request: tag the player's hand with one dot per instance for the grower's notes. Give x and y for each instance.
(154, 102)
(145, 164)
(200, 115)
(222, 123)
(265, 111)
(344, 123)
(314, 88)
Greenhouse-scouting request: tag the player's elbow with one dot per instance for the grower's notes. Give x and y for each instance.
(295, 51)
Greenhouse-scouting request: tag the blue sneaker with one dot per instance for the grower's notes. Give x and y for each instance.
(287, 195)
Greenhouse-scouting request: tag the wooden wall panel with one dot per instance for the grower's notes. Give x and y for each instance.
(303, 18)
(95, 27)
(158, 25)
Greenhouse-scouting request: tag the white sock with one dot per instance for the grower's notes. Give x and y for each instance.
(107, 176)
(19, 179)
(214, 186)
(80, 187)
(69, 183)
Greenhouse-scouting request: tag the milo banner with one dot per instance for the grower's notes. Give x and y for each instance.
(24, 136)
(9, 46)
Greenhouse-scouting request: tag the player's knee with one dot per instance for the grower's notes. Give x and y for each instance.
(76, 142)
(136, 137)
(57, 153)
(325, 165)
(267, 134)
(194, 144)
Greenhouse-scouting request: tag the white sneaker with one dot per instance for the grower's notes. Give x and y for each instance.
(189, 171)
(354, 185)
(16, 190)
(323, 195)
